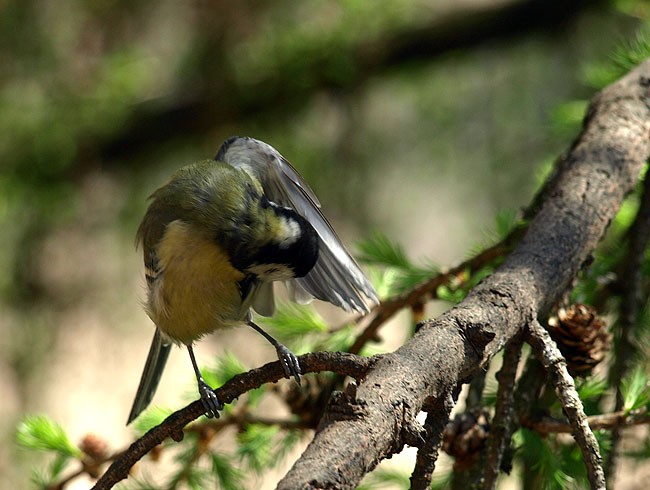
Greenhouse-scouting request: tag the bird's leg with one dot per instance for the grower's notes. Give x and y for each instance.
(287, 358)
(209, 398)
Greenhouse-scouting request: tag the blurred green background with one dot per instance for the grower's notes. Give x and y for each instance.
(422, 119)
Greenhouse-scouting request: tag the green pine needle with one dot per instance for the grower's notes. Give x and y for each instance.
(256, 446)
(150, 418)
(384, 279)
(505, 220)
(229, 476)
(197, 478)
(339, 340)
(633, 52)
(453, 296)
(39, 479)
(225, 367)
(292, 322)
(628, 55)
(41, 433)
(414, 276)
(379, 250)
(143, 482)
(635, 390)
(398, 272)
(290, 439)
(567, 117)
(44, 478)
(386, 477)
(591, 388)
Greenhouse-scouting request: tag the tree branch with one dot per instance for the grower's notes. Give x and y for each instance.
(427, 290)
(599, 170)
(172, 426)
(434, 426)
(552, 359)
(502, 422)
(631, 305)
(606, 421)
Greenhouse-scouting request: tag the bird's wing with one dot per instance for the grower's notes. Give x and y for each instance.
(336, 277)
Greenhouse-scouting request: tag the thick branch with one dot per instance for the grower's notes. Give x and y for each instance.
(596, 174)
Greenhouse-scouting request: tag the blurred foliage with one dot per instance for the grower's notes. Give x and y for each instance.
(99, 101)
(400, 273)
(40, 433)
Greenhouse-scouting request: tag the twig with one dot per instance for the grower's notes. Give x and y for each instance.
(211, 427)
(428, 290)
(244, 419)
(548, 353)
(465, 477)
(502, 422)
(631, 304)
(172, 426)
(529, 388)
(474, 399)
(607, 421)
(64, 481)
(425, 462)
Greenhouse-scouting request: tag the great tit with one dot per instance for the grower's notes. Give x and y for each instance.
(216, 236)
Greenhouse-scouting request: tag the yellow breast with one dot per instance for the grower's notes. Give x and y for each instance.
(197, 290)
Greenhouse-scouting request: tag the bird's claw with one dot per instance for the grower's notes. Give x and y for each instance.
(209, 399)
(289, 362)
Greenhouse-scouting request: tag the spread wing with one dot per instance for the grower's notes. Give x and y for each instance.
(336, 277)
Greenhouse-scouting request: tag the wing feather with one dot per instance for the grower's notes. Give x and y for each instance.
(336, 277)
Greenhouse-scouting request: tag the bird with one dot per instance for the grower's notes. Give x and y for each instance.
(217, 236)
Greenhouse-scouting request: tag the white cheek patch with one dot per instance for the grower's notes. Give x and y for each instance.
(290, 231)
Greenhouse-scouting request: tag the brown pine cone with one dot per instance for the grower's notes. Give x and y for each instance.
(581, 336)
(94, 446)
(309, 399)
(464, 438)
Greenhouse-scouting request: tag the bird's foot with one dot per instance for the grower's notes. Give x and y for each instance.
(289, 362)
(209, 399)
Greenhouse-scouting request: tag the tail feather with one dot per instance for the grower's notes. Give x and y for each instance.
(153, 368)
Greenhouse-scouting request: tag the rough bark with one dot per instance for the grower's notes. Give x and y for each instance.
(580, 200)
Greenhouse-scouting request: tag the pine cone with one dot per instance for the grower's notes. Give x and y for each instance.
(581, 337)
(96, 452)
(94, 446)
(309, 399)
(464, 438)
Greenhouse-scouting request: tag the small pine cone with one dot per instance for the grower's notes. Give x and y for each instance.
(309, 399)
(96, 453)
(464, 438)
(94, 447)
(581, 337)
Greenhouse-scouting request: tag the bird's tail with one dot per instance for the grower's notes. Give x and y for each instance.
(153, 368)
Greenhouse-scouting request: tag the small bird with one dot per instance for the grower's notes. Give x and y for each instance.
(217, 236)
